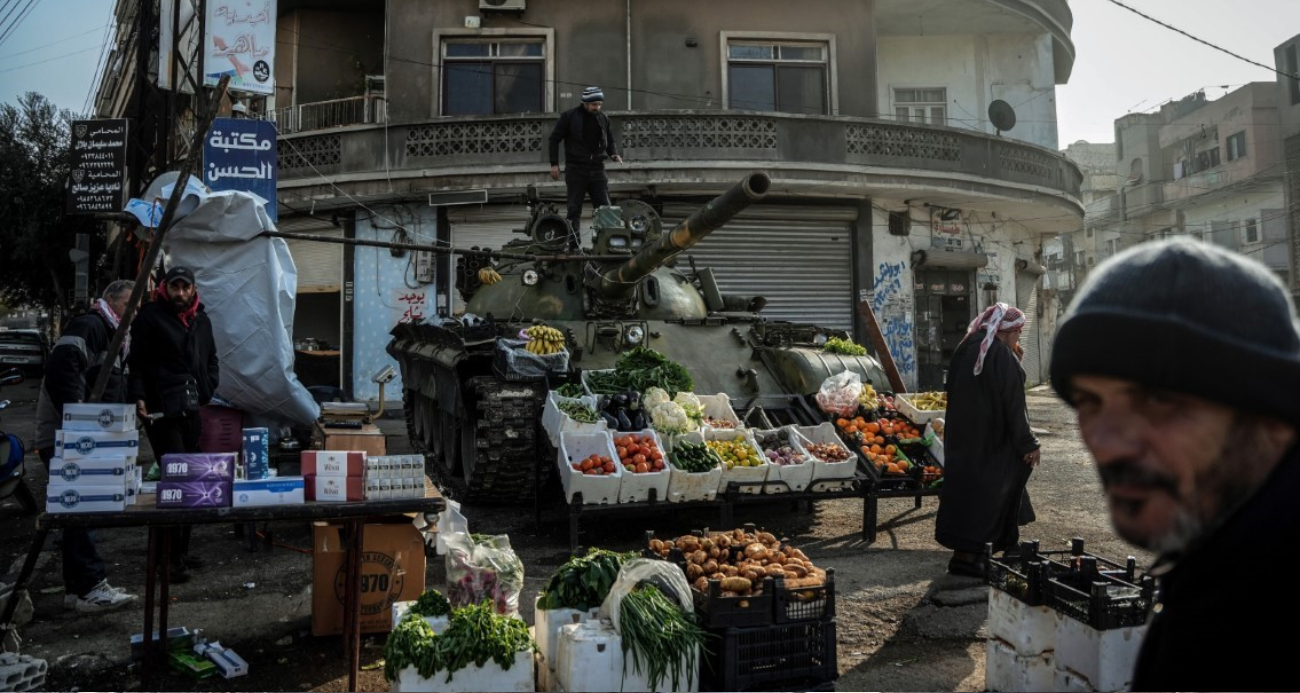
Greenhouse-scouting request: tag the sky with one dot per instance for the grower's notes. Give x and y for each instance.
(1124, 63)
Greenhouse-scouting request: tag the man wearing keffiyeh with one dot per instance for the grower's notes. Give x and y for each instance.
(989, 448)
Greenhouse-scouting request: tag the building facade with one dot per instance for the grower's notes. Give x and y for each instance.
(1287, 57)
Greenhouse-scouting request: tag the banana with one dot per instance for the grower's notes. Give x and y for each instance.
(488, 276)
(544, 340)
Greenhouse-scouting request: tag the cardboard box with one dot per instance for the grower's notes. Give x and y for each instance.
(193, 494)
(257, 447)
(392, 570)
(85, 445)
(368, 439)
(207, 467)
(84, 498)
(101, 471)
(335, 489)
(336, 463)
(284, 490)
(106, 418)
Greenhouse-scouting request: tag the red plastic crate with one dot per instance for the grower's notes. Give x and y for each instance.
(223, 429)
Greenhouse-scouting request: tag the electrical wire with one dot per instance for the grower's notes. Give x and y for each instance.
(49, 60)
(51, 43)
(9, 31)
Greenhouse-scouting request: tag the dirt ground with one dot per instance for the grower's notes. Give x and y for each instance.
(893, 633)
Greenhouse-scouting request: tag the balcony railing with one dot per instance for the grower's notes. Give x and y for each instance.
(335, 113)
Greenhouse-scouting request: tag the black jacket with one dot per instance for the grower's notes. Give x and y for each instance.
(568, 129)
(71, 371)
(1232, 585)
(163, 351)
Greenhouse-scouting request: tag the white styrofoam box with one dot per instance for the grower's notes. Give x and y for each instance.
(1105, 658)
(1007, 672)
(795, 476)
(936, 445)
(437, 623)
(546, 677)
(85, 445)
(98, 416)
(548, 624)
(590, 658)
(825, 433)
(489, 677)
(636, 487)
(576, 447)
(683, 486)
(743, 474)
(1067, 681)
(96, 471)
(917, 416)
(718, 407)
(82, 498)
(554, 421)
(1029, 630)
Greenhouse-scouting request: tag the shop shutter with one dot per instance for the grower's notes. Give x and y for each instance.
(320, 265)
(800, 258)
(1027, 301)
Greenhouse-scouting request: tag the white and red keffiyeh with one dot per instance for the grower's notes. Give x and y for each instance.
(1001, 317)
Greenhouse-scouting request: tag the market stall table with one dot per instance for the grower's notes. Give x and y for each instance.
(144, 514)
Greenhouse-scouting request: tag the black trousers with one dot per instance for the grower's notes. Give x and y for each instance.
(171, 435)
(582, 181)
(83, 568)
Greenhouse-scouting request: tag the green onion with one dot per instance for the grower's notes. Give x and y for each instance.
(663, 641)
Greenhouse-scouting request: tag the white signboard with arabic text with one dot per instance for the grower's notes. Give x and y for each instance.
(239, 41)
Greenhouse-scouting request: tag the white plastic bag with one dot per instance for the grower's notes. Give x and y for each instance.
(664, 575)
(450, 522)
(839, 394)
(483, 567)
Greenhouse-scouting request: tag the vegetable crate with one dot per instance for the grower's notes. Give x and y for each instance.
(684, 486)
(824, 433)
(767, 656)
(788, 478)
(518, 678)
(795, 604)
(718, 407)
(595, 489)
(586, 382)
(637, 487)
(1101, 601)
(750, 478)
(920, 417)
(1028, 577)
(555, 421)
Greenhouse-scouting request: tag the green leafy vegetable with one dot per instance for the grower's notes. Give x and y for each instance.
(664, 641)
(584, 581)
(835, 345)
(431, 603)
(641, 369)
(474, 635)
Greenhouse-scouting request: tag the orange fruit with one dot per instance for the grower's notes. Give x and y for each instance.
(902, 465)
(892, 468)
(842, 423)
(875, 449)
(890, 449)
(872, 427)
(880, 440)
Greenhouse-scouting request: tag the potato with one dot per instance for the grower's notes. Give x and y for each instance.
(701, 584)
(722, 540)
(711, 566)
(730, 570)
(718, 576)
(693, 571)
(795, 572)
(714, 552)
(656, 545)
(752, 575)
(725, 593)
(766, 538)
(775, 571)
(796, 553)
(755, 551)
(776, 557)
(737, 584)
(698, 557)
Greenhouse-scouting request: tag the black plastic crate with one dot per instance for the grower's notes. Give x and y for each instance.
(743, 659)
(1028, 576)
(1102, 600)
(716, 611)
(795, 604)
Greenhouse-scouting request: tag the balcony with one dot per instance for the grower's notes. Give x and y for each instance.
(687, 150)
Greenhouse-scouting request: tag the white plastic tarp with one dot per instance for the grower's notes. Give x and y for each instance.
(247, 285)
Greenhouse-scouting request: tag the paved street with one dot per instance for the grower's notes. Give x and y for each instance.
(892, 633)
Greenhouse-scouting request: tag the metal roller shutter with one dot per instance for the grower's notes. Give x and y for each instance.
(1027, 301)
(320, 265)
(799, 258)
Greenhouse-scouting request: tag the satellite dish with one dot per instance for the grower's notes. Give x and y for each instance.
(1002, 115)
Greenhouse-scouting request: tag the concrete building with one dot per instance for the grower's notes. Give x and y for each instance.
(1287, 57)
(1069, 256)
(891, 185)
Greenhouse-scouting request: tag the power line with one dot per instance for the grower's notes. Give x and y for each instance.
(9, 31)
(57, 57)
(1201, 40)
(51, 43)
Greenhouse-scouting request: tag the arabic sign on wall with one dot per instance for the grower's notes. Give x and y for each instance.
(97, 177)
(240, 41)
(239, 154)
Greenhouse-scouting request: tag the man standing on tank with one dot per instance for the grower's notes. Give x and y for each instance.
(588, 140)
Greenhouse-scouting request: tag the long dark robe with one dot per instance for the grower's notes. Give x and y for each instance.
(985, 442)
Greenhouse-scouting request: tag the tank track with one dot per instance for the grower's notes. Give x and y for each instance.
(507, 425)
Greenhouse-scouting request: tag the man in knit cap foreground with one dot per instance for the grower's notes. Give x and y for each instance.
(1182, 361)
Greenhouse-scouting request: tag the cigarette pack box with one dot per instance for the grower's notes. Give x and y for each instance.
(193, 494)
(284, 490)
(106, 418)
(96, 471)
(85, 445)
(257, 445)
(335, 489)
(208, 467)
(336, 463)
(84, 498)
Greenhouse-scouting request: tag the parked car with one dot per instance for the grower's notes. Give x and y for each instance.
(25, 349)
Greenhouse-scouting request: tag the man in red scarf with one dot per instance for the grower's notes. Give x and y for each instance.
(989, 449)
(173, 372)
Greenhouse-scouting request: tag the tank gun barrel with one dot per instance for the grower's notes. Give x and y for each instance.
(620, 281)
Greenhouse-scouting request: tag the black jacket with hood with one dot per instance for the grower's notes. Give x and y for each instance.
(164, 350)
(568, 129)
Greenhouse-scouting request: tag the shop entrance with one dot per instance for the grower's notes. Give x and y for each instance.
(943, 311)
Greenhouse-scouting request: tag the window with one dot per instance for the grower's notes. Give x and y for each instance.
(1237, 146)
(1079, 258)
(927, 106)
(1293, 68)
(488, 77)
(1207, 159)
(1090, 232)
(1112, 247)
(777, 76)
(1251, 231)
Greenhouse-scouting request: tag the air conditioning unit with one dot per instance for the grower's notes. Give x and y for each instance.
(503, 5)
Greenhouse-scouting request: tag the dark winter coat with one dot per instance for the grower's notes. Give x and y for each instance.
(569, 129)
(986, 438)
(164, 351)
(1232, 584)
(71, 371)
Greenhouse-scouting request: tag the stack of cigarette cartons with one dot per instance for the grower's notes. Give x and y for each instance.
(196, 480)
(334, 476)
(394, 476)
(94, 467)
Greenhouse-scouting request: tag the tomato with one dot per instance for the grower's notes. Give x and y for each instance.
(609, 467)
(658, 465)
(589, 471)
(577, 466)
(585, 464)
(638, 459)
(633, 449)
(622, 451)
(642, 468)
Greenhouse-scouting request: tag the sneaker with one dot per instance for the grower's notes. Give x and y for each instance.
(70, 599)
(104, 597)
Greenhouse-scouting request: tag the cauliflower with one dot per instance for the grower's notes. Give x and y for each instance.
(669, 417)
(654, 396)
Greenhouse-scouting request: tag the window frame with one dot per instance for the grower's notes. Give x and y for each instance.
(1293, 67)
(1250, 227)
(826, 41)
(911, 105)
(442, 36)
(1236, 146)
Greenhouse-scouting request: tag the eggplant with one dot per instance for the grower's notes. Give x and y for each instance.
(638, 421)
(624, 423)
(609, 420)
(621, 399)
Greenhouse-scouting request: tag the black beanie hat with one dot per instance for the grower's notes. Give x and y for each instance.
(1189, 317)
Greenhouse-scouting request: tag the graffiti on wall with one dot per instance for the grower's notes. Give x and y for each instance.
(893, 306)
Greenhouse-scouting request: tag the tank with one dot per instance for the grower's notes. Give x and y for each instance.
(480, 429)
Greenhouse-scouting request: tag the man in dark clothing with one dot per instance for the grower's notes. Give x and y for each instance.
(989, 449)
(173, 372)
(1193, 426)
(588, 140)
(73, 367)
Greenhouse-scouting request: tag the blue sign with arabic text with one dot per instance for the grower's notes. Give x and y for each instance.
(239, 154)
